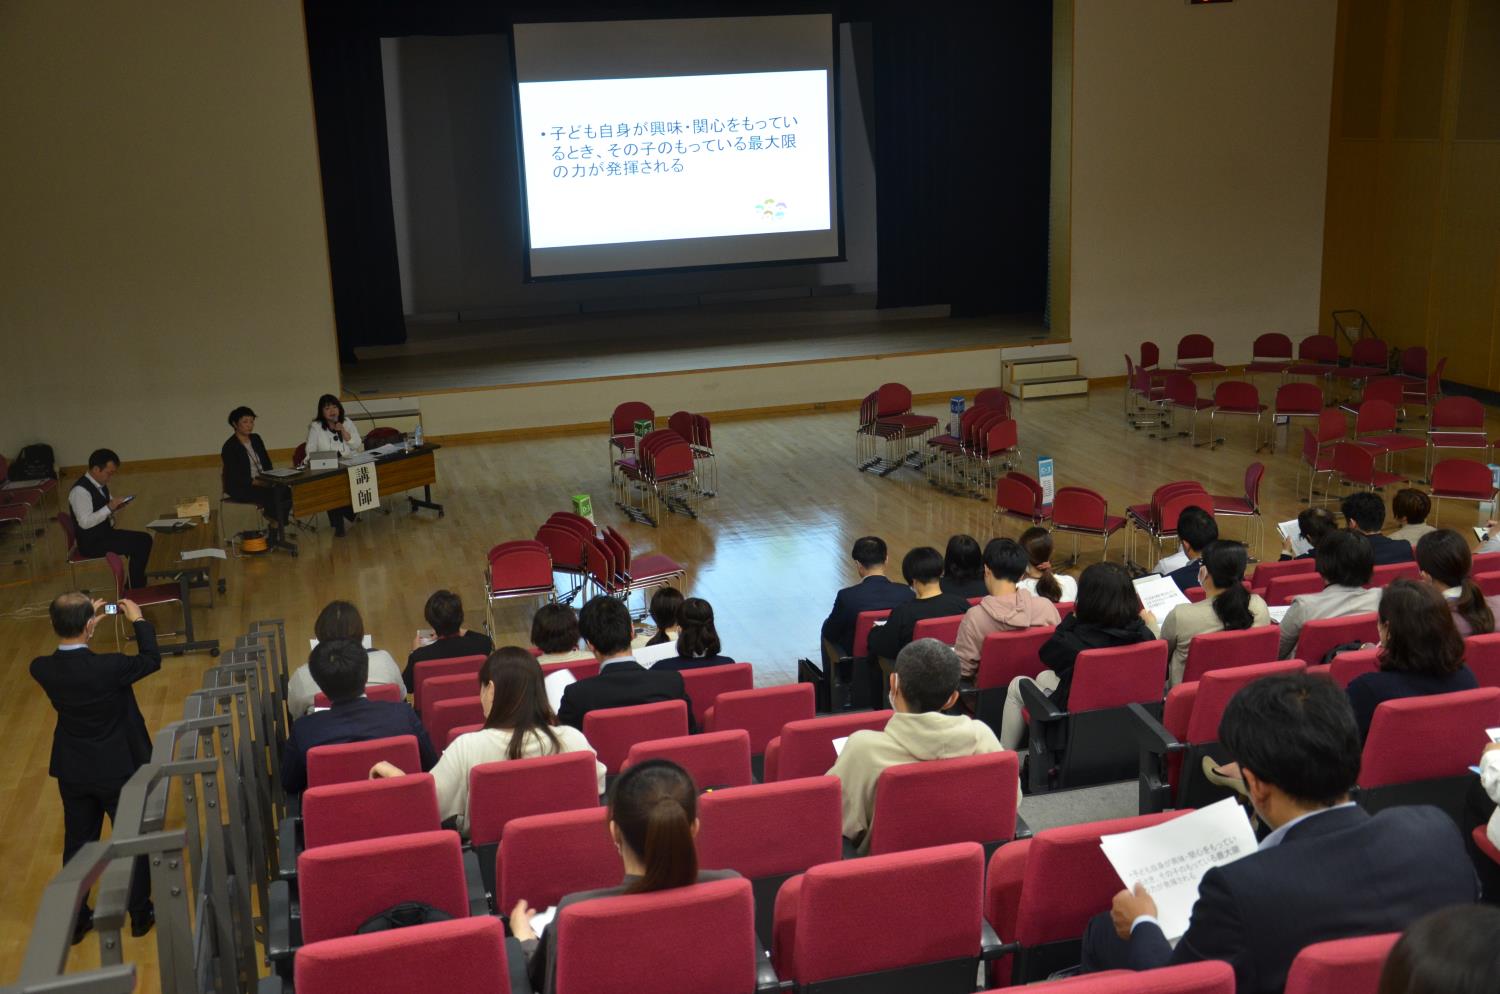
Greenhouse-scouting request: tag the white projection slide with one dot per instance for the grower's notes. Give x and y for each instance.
(612, 161)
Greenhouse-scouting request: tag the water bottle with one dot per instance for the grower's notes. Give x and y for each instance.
(417, 435)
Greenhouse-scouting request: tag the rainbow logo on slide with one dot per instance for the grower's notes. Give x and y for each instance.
(770, 209)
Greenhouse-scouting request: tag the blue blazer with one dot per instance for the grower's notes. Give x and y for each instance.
(873, 593)
(1338, 874)
(352, 721)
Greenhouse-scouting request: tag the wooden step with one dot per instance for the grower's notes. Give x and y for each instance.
(1038, 368)
(1048, 386)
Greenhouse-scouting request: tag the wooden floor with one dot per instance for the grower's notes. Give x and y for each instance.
(769, 553)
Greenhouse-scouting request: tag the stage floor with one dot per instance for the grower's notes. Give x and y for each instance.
(568, 348)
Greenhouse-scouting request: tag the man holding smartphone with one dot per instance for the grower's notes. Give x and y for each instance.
(94, 510)
(101, 737)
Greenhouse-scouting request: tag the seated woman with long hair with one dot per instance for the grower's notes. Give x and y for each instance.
(697, 639)
(1226, 606)
(1039, 578)
(518, 724)
(1445, 561)
(1421, 652)
(653, 822)
(963, 568)
(666, 605)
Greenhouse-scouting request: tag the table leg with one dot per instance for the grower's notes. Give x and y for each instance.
(426, 501)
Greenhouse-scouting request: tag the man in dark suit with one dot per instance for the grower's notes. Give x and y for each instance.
(1364, 514)
(101, 737)
(340, 667)
(873, 592)
(1328, 870)
(1196, 529)
(605, 626)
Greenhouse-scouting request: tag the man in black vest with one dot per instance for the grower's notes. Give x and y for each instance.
(94, 522)
(101, 737)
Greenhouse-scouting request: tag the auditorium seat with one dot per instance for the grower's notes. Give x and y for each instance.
(705, 684)
(394, 693)
(945, 630)
(1419, 749)
(429, 669)
(767, 832)
(941, 801)
(805, 747)
(838, 667)
(1352, 664)
(450, 714)
(1268, 571)
(543, 858)
(1348, 966)
(1318, 637)
(369, 809)
(501, 792)
(437, 689)
(1383, 574)
(1280, 590)
(1482, 656)
(457, 731)
(581, 669)
(468, 953)
(612, 731)
(1206, 977)
(1221, 650)
(1003, 656)
(762, 713)
(712, 759)
(348, 761)
(935, 950)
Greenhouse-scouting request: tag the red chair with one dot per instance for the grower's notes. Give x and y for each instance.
(1267, 571)
(1271, 353)
(805, 747)
(458, 731)
(1002, 657)
(994, 397)
(348, 761)
(622, 427)
(1375, 428)
(1317, 637)
(1019, 496)
(149, 596)
(1368, 357)
(950, 449)
(1350, 665)
(945, 630)
(393, 692)
(543, 858)
(1195, 355)
(345, 885)
(1317, 355)
(663, 472)
(1461, 479)
(1383, 388)
(1166, 514)
(1281, 590)
(1145, 397)
(893, 412)
(615, 943)
(1207, 977)
(1451, 730)
(712, 759)
(1482, 656)
(1041, 892)
(1146, 517)
(1456, 423)
(436, 689)
(937, 948)
(1082, 511)
(515, 570)
(612, 731)
(704, 685)
(942, 801)
(1090, 742)
(1248, 506)
(1489, 583)
(369, 809)
(1414, 363)
(1236, 397)
(1486, 848)
(376, 437)
(1427, 392)
(431, 669)
(768, 832)
(1299, 400)
(1150, 355)
(1485, 562)
(1317, 460)
(452, 714)
(761, 712)
(1355, 465)
(1182, 395)
(1386, 572)
(468, 953)
(1349, 966)
(1223, 650)
(506, 791)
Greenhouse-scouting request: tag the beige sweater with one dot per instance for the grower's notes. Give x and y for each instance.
(1186, 621)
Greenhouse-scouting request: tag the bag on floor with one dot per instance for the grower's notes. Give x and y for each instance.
(34, 462)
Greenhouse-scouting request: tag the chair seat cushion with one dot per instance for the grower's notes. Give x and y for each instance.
(1393, 443)
(1232, 505)
(1201, 404)
(1268, 365)
(1257, 410)
(1458, 440)
(1112, 524)
(156, 593)
(645, 569)
(909, 423)
(1202, 366)
(1357, 372)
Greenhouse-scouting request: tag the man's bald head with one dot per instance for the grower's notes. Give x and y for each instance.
(71, 613)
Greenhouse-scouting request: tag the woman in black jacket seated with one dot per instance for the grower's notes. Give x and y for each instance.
(653, 820)
(1107, 614)
(697, 639)
(243, 458)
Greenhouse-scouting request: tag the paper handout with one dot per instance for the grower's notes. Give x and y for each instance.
(1292, 531)
(281, 474)
(1170, 859)
(656, 653)
(1159, 594)
(192, 554)
(1278, 612)
(367, 642)
(838, 745)
(556, 682)
(1169, 564)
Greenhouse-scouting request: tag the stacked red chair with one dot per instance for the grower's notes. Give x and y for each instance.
(903, 431)
(520, 569)
(662, 472)
(622, 437)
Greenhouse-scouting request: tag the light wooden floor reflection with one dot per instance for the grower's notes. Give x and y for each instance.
(769, 552)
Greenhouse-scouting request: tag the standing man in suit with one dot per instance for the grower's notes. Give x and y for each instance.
(93, 511)
(1364, 514)
(1328, 870)
(605, 626)
(101, 737)
(874, 592)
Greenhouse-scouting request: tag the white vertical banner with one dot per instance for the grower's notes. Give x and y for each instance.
(1045, 478)
(364, 487)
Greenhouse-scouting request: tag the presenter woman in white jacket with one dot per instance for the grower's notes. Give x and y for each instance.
(330, 432)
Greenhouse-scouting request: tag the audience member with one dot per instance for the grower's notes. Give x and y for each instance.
(340, 667)
(339, 620)
(518, 724)
(1489, 780)
(1345, 561)
(1040, 578)
(1364, 514)
(450, 639)
(923, 568)
(1421, 652)
(1107, 613)
(653, 820)
(697, 639)
(963, 568)
(1452, 951)
(923, 686)
(1410, 509)
(1315, 524)
(1327, 870)
(1005, 608)
(554, 630)
(1226, 606)
(1491, 540)
(873, 592)
(93, 510)
(605, 626)
(1445, 561)
(1196, 528)
(101, 738)
(666, 603)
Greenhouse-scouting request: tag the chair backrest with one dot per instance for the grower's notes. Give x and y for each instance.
(437, 689)
(1462, 478)
(1484, 562)
(1115, 677)
(1368, 352)
(612, 731)
(705, 684)
(1180, 388)
(1449, 727)
(1376, 414)
(581, 669)
(368, 809)
(1385, 388)
(1195, 347)
(517, 566)
(1349, 966)
(1489, 583)
(945, 630)
(1019, 494)
(864, 623)
(468, 953)
(299, 454)
(993, 397)
(1172, 507)
(1079, 507)
(1267, 571)
(604, 944)
(934, 803)
(1150, 355)
(1350, 665)
(1219, 685)
(938, 890)
(892, 399)
(1457, 414)
(542, 858)
(1414, 361)
(713, 759)
(392, 692)
(564, 545)
(70, 532)
(1206, 977)
(770, 829)
(1220, 650)
(1482, 656)
(805, 747)
(1331, 426)
(682, 423)
(1236, 395)
(452, 713)
(1383, 574)
(457, 731)
(117, 567)
(1254, 474)
(1298, 398)
(342, 886)
(1006, 655)
(1271, 345)
(430, 669)
(763, 712)
(1281, 589)
(348, 761)
(499, 793)
(1317, 637)
(1318, 348)
(622, 421)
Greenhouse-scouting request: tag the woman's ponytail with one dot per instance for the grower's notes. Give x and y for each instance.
(1038, 545)
(1226, 563)
(1473, 608)
(654, 806)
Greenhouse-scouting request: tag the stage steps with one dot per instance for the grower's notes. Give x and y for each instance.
(1043, 376)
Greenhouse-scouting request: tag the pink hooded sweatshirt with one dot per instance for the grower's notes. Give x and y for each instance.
(1000, 613)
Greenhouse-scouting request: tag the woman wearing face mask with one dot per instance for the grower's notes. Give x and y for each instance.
(1226, 605)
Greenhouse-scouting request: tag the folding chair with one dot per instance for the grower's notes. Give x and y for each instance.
(942, 801)
(1460, 479)
(1002, 657)
(712, 759)
(149, 596)
(500, 793)
(1456, 423)
(1350, 966)
(612, 731)
(704, 685)
(1223, 650)
(1450, 729)
(1235, 397)
(762, 713)
(1195, 355)
(804, 748)
(1019, 496)
(1247, 507)
(516, 570)
(348, 761)
(1270, 353)
(468, 953)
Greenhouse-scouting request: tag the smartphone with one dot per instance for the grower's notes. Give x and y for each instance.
(426, 636)
(111, 609)
(126, 500)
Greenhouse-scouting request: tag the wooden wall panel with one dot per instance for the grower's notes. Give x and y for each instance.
(1467, 263)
